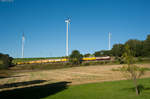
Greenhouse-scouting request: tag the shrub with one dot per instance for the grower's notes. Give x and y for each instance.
(86, 64)
(5, 61)
(75, 58)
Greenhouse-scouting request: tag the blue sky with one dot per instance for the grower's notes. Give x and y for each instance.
(43, 22)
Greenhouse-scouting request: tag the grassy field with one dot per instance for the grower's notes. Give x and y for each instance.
(70, 83)
(105, 90)
(61, 90)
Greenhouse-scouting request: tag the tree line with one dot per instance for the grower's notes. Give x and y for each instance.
(139, 48)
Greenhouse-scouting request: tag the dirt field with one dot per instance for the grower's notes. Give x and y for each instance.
(75, 75)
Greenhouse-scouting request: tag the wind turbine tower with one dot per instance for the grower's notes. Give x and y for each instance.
(109, 40)
(23, 39)
(67, 48)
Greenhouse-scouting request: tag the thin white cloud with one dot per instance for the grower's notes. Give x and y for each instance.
(6, 0)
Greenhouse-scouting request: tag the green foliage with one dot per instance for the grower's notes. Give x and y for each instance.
(5, 61)
(97, 54)
(136, 46)
(86, 64)
(146, 49)
(75, 58)
(119, 60)
(143, 60)
(87, 55)
(93, 63)
(102, 53)
(128, 55)
(139, 48)
(131, 70)
(139, 59)
(117, 50)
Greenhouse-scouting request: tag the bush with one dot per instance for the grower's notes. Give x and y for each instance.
(119, 60)
(5, 61)
(86, 64)
(75, 58)
(95, 63)
(139, 59)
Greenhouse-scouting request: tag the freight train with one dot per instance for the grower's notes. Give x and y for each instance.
(64, 60)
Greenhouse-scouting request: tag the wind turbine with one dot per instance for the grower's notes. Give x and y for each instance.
(67, 48)
(23, 39)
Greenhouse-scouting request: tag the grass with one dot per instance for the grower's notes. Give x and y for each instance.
(118, 69)
(61, 90)
(105, 90)
(143, 60)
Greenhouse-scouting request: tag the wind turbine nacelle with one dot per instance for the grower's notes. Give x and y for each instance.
(67, 21)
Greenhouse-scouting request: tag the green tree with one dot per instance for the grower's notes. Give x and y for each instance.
(75, 58)
(117, 50)
(102, 53)
(131, 70)
(106, 52)
(136, 46)
(146, 49)
(97, 54)
(87, 55)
